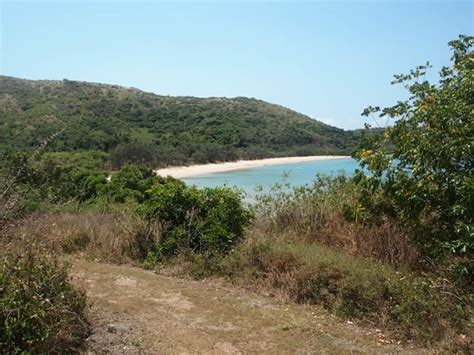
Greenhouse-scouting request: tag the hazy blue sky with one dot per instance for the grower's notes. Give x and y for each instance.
(325, 59)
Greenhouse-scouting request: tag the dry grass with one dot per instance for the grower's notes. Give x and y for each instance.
(166, 315)
(317, 214)
(387, 242)
(10, 211)
(409, 306)
(118, 238)
(40, 311)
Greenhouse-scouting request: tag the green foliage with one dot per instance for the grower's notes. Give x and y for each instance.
(139, 153)
(421, 167)
(85, 159)
(139, 127)
(208, 220)
(49, 179)
(40, 311)
(78, 183)
(130, 183)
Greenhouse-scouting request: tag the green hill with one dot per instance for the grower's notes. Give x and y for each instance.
(135, 125)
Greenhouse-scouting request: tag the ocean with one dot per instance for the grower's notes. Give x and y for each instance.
(262, 178)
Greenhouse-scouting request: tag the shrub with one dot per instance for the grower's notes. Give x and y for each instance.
(305, 210)
(88, 159)
(76, 183)
(210, 220)
(40, 311)
(130, 183)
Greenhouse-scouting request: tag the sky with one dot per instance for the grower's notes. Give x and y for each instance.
(328, 60)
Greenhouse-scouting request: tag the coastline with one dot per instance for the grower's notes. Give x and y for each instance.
(181, 172)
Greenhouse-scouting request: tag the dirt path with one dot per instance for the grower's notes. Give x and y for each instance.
(137, 311)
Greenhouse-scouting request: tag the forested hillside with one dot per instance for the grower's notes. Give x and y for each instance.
(134, 125)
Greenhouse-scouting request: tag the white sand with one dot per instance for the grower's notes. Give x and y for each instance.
(180, 172)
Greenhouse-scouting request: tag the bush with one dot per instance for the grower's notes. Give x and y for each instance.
(130, 183)
(79, 184)
(208, 220)
(89, 159)
(306, 210)
(40, 311)
(47, 180)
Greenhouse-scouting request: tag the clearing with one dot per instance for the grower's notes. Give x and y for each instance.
(138, 311)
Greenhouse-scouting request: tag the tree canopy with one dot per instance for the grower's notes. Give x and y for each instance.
(421, 167)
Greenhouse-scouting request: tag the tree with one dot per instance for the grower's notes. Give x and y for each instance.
(136, 152)
(421, 167)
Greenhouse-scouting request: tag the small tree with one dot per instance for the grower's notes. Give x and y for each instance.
(421, 167)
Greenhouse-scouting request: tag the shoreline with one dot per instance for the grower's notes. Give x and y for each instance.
(181, 172)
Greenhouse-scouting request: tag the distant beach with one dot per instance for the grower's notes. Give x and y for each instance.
(180, 172)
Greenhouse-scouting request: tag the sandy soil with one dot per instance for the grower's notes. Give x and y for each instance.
(134, 311)
(180, 172)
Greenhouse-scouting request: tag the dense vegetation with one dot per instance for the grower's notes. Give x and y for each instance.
(140, 127)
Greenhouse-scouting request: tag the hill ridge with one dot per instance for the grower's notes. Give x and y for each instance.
(172, 129)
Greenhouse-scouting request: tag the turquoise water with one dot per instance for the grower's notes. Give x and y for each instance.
(297, 174)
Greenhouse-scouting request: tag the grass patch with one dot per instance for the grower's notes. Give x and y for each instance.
(413, 307)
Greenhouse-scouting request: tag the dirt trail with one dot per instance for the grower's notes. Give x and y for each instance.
(138, 311)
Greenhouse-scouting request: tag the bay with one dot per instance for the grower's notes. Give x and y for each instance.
(263, 177)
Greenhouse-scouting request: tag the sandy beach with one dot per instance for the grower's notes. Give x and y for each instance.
(180, 172)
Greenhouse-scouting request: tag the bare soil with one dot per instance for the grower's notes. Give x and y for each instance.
(134, 311)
